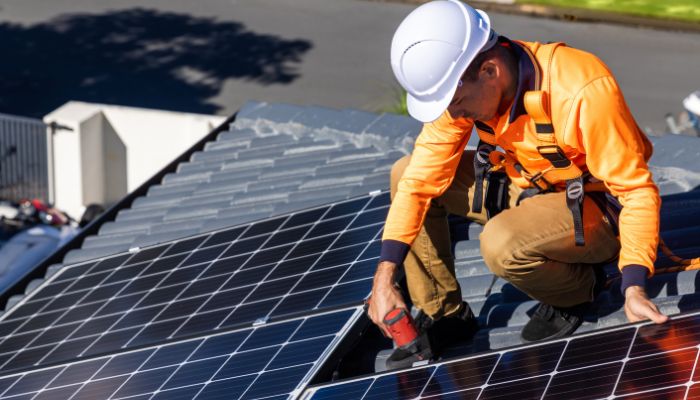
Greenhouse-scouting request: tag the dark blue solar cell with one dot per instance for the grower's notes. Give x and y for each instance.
(145, 382)
(227, 389)
(667, 369)
(525, 389)
(355, 236)
(65, 300)
(171, 354)
(77, 373)
(247, 277)
(139, 317)
(181, 308)
(111, 341)
(109, 264)
(226, 299)
(125, 273)
(276, 382)
(142, 284)
(350, 390)
(331, 226)
(49, 291)
(348, 293)
(102, 293)
(226, 266)
(40, 321)
(218, 345)
(319, 279)
(461, 375)
(123, 364)
(268, 256)
(204, 255)
(183, 275)
(194, 372)
(402, 385)
(586, 351)
(68, 350)
(148, 254)
(380, 200)
(33, 382)
(311, 246)
(350, 207)
(202, 286)
(517, 364)
(227, 236)
(245, 246)
(186, 393)
(88, 281)
(264, 227)
(299, 302)
(101, 389)
(304, 352)
(250, 312)
(162, 295)
(371, 251)
(361, 270)
(156, 332)
(676, 334)
(24, 310)
(370, 218)
(27, 358)
(55, 334)
(184, 246)
(273, 289)
(248, 362)
(57, 394)
(120, 304)
(293, 267)
(322, 325)
(72, 271)
(164, 265)
(305, 217)
(269, 335)
(203, 322)
(598, 382)
(287, 236)
(15, 342)
(339, 257)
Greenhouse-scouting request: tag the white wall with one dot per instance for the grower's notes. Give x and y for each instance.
(113, 149)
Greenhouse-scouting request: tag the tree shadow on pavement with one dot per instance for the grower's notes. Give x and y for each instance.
(136, 57)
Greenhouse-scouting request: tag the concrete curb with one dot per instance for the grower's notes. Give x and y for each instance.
(574, 15)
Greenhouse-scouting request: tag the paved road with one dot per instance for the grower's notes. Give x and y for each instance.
(211, 56)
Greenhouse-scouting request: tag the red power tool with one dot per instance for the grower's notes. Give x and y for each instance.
(403, 330)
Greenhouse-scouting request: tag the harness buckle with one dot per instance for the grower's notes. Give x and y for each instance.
(555, 155)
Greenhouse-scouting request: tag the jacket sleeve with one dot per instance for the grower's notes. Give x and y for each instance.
(430, 172)
(615, 153)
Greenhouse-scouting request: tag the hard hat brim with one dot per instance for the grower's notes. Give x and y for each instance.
(429, 111)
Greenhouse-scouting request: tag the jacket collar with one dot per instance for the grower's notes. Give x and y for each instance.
(528, 77)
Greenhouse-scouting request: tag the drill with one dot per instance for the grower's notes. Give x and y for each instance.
(400, 324)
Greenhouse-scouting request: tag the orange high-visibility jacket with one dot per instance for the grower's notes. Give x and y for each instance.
(593, 126)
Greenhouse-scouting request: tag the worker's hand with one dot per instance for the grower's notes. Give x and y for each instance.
(638, 307)
(385, 296)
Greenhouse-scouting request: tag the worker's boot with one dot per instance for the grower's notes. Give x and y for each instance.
(549, 322)
(435, 336)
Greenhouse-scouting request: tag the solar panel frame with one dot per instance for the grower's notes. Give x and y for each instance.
(107, 279)
(654, 359)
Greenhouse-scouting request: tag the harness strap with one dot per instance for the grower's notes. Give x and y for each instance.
(574, 200)
(481, 167)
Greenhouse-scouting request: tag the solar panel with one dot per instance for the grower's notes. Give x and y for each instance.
(259, 362)
(280, 268)
(632, 362)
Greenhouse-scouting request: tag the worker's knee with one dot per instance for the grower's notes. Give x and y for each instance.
(397, 171)
(496, 246)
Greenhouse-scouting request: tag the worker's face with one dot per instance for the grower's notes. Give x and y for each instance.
(478, 99)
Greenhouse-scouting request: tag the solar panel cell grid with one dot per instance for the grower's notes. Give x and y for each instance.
(248, 364)
(135, 300)
(643, 362)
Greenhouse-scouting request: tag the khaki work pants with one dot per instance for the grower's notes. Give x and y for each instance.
(531, 246)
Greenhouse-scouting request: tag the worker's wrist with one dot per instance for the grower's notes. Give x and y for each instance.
(633, 275)
(393, 251)
(385, 273)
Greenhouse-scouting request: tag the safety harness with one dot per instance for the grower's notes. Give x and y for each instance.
(489, 161)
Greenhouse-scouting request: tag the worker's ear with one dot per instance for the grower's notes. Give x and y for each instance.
(489, 70)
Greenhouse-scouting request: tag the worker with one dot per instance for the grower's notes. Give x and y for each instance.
(559, 180)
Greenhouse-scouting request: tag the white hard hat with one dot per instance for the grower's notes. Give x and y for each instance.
(432, 48)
